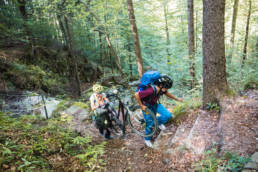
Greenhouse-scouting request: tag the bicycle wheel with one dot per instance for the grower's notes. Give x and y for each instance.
(137, 122)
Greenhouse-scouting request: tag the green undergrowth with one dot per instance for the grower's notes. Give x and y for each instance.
(32, 77)
(228, 162)
(82, 105)
(30, 144)
(182, 108)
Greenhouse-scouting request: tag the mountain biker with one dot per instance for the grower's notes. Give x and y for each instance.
(149, 97)
(100, 115)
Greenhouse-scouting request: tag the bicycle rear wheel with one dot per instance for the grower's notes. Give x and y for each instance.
(137, 123)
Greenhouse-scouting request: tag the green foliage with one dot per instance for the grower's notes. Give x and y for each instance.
(64, 104)
(27, 144)
(184, 107)
(228, 162)
(235, 162)
(210, 163)
(44, 27)
(32, 77)
(213, 106)
(82, 105)
(89, 156)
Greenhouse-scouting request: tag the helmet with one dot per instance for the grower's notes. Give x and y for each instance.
(97, 88)
(165, 82)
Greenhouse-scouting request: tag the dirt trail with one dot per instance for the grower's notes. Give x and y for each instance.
(180, 146)
(239, 124)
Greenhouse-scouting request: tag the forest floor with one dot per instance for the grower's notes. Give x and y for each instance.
(240, 127)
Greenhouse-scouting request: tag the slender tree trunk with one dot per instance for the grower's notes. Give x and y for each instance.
(74, 64)
(196, 29)
(101, 51)
(135, 37)
(24, 14)
(246, 33)
(61, 25)
(130, 57)
(191, 50)
(214, 61)
(167, 36)
(111, 62)
(112, 51)
(233, 28)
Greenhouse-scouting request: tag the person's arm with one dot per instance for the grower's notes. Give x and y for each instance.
(173, 97)
(138, 99)
(93, 107)
(92, 104)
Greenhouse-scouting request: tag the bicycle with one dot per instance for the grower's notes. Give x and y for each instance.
(135, 120)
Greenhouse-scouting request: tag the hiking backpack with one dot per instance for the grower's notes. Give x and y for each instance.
(148, 79)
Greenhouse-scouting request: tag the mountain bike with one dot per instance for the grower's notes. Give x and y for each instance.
(123, 116)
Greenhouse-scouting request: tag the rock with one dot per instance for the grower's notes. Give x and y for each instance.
(51, 105)
(134, 83)
(253, 163)
(78, 112)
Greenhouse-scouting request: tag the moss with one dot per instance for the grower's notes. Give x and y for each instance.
(230, 92)
(182, 108)
(82, 105)
(61, 107)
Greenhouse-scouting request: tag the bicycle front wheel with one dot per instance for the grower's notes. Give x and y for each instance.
(137, 123)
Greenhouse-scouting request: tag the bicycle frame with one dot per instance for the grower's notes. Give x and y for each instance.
(116, 115)
(124, 116)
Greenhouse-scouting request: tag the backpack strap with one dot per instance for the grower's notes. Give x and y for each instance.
(153, 95)
(155, 90)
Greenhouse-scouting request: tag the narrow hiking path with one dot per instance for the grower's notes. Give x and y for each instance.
(180, 146)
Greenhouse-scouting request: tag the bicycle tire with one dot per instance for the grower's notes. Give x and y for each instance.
(136, 125)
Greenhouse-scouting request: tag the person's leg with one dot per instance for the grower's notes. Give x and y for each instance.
(101, 130)
(165, 115)
(149, 121)
(107, 134)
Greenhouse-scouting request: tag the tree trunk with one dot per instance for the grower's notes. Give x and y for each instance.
(233, 28)
(135, 37)
(130, 57)
(191, 50)
(112, 51)
(111, 62)
(61, 25)
(246, 34)
(196, 30)
(214, 62)
(24, 14)
(167, 36)
(74, 64)
(101, 51)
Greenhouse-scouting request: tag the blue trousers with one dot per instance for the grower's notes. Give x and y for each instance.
(165, 115)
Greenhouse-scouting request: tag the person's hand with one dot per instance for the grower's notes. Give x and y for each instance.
(143, 107)
(180, 99)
